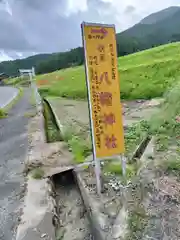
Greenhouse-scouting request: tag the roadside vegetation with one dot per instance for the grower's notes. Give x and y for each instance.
(51, 129)
(143, 75)
(37, 173)
(148, 74)
(15, 100)
(3, 113)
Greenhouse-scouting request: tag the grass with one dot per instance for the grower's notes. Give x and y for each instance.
(137, 221)
(172, 165)
(18, 81)
(13, 81)
(145, 75)
(37, 173)
(135, 134)
(3, 113)
(51, 128)
(79, 146)
(115, 168)
(164, 126)
(15, 100)
(32, 99)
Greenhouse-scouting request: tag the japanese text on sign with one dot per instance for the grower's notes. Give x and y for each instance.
(103, 89)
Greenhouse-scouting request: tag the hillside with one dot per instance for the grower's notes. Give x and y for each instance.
(159, 28)
(154, 30)
(145, 75)
(12, 67)
(160, 16)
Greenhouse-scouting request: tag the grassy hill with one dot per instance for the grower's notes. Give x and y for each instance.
(143, 75)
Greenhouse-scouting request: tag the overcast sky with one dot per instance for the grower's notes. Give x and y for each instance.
(35, 26)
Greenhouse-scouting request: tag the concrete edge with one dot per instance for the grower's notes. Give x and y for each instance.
(38, 209)
(149, 151)
(140, 148)
(60, 126)
(93, 215)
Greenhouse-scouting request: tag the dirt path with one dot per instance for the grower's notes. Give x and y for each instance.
(13, 147)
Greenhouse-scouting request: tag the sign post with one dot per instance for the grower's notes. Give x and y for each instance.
(99, 42)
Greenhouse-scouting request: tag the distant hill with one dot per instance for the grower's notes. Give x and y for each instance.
(156, 29)
(11, 67)
(159, 16)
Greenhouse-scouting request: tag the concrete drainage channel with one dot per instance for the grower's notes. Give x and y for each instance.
(72, 220)
(53, 208)
(63, 206)
(77, 216)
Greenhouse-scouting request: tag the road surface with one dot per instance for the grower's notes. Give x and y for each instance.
(6, 95)
(13, 147)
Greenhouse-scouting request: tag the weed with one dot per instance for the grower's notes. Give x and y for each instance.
(3, 113)
(135, 134)
(163, 125)
(30, 114)
(116, 169)
(137, 221)
(171, 165)
(68, 133)
(37, 173)
(32, 99)
(60, 233)
(51, 129)
(14, 101)
(79, 148)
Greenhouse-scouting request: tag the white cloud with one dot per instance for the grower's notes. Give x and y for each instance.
(5, 5)
(141, 9)
(54, 25)
(4, 56)
(73, 7)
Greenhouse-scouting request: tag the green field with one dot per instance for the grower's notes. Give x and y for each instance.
(145, 75)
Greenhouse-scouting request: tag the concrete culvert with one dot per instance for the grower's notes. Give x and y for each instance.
(73, 222)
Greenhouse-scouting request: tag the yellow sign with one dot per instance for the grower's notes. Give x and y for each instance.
(103, 89)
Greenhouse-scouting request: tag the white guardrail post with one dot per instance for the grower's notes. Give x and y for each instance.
(37, 95)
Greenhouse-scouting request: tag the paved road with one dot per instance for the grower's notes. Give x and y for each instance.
(13, 147)
(6, 95)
